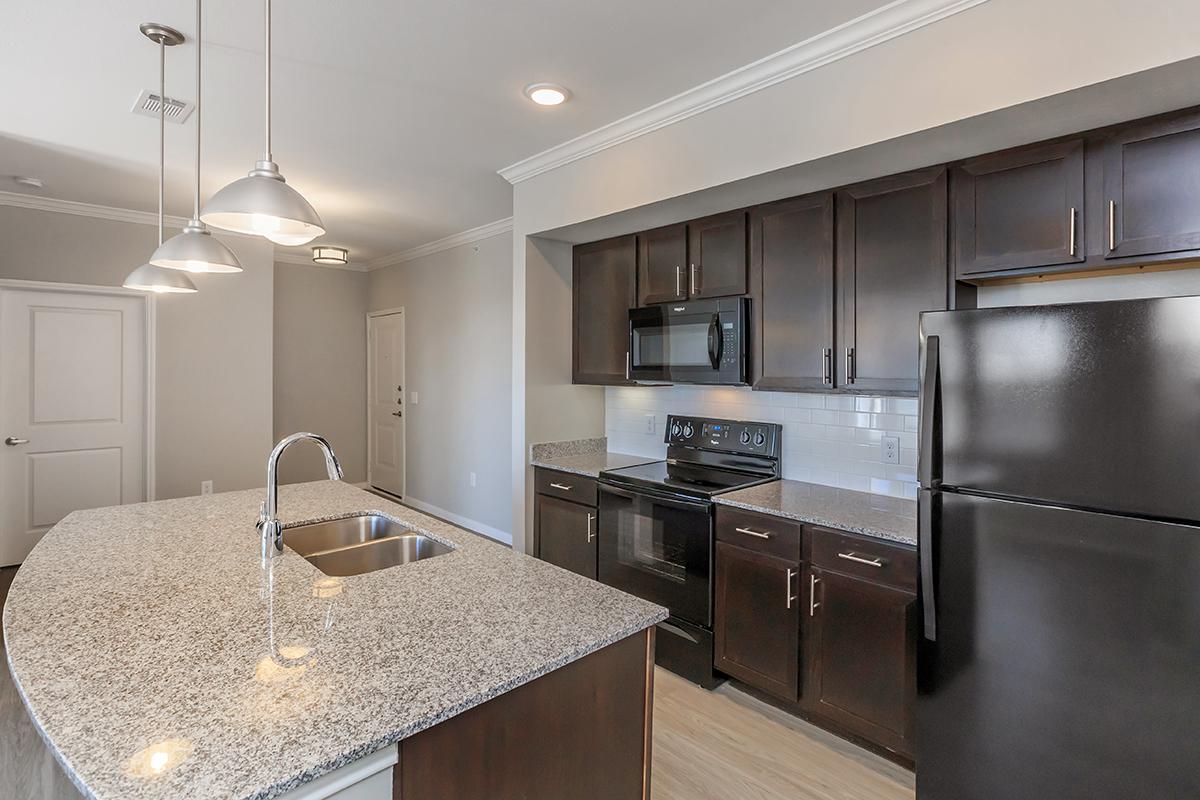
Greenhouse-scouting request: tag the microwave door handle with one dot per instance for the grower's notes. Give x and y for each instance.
(716, 343)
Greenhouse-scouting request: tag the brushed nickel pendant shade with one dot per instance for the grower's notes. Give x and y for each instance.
(262, 203)
(149, 277)
(195, 249)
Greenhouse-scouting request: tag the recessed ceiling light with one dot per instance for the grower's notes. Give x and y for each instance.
(547, 94)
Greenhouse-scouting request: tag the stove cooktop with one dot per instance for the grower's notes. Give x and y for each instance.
(683, 478)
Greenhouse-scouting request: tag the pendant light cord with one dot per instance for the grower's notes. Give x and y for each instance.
(267, 157)
(162, 132)
(199, 47)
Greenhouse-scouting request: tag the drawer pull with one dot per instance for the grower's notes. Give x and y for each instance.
(759, 534)
(857, 559)
(813, 580)
(590, 535)
(561, 486)
(791, 573)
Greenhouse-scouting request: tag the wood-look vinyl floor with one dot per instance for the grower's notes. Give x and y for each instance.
(720, 745)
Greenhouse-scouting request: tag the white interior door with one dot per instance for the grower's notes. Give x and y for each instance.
(72, 409)
(385, 402)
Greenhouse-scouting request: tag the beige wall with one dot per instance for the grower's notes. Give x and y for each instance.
(214, 357)
(321, 367)
(458, 331)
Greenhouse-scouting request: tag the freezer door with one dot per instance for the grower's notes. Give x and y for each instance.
(1090, 405)
(1066, 659)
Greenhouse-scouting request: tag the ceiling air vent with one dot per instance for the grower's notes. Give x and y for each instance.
(147, 104)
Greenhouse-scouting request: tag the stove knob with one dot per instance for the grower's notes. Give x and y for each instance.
(688, 430)
(676, 429)
(760, 439)
(745, 437)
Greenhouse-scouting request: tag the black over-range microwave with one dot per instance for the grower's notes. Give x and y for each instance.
(703, 341)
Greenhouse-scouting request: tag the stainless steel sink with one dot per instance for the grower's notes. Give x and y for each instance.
(364, 543)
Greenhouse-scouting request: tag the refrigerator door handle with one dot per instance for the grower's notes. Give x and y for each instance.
(928, 464)
(925, 555)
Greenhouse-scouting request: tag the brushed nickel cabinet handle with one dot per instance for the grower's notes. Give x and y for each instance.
(791, 573)
(1071, 251)
(827, 365)
(751, 532)
(590, 534)
(692, 278)
(678, 280)
(856, 558)
(849, 365)
(561, 486)
(813, 580)
(1112, 225)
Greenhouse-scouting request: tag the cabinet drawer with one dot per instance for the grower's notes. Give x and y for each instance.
(761, 533)
(864, 557)
(566, 485)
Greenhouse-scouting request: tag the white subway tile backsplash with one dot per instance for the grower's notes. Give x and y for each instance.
(827, 438)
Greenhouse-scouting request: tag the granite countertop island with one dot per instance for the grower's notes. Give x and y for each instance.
(883, 517)
(160, 660)
(588, 457)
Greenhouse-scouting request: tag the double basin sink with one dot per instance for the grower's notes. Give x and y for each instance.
(358, 544)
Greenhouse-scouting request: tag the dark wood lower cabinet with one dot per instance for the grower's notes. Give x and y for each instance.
(860, 651)
(756, 619)
(566, 534)
(580, 732)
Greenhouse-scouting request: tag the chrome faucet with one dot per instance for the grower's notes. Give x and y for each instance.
(268, 514)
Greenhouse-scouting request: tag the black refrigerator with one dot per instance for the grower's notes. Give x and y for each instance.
(1059, 545)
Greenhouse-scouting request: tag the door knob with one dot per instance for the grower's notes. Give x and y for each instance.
(12, 441)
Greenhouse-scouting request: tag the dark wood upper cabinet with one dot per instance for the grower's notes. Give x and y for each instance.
(1152, 188)
(791, 277)
(860, 649)
(717, 255)
(662, 265)
(1019, 208)
(604, 289)
(756, 619)
(566, 534)
(891, 266)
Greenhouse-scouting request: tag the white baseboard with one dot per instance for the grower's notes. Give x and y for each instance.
(460, 521)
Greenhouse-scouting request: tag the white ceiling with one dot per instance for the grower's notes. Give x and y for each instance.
(391, 117)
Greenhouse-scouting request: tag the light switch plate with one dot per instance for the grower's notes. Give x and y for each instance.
(650, 423)
(890, 449)
(413, 398)
(206, 487)
(472, 479)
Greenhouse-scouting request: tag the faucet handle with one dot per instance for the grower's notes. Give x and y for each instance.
(262, 515)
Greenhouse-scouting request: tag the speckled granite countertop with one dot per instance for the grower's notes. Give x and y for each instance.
(148, 629)
(858, 512)
(591, 464)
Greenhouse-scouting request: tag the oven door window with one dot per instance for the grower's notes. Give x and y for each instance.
(658, 549)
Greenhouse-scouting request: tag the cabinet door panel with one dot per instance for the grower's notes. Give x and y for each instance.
(662, 265)
(567, 535)
(1152, 188)
(604, 289)
(891, 257)
(756, 620)
(791, 256)
(861, 651)
(1022, 208)
(717, 255)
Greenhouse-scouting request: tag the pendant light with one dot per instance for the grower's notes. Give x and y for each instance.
(262, 203)
(148, 277)
(195, 250)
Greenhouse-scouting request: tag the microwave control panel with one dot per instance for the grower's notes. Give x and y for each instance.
(760, 438)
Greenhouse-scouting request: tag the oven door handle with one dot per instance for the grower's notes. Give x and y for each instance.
(658, 497)
(716, 343)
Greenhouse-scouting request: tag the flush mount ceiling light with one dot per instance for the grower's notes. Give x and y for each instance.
(547, 94)
(195, 250)
(148, 277)
(262, 203)
(330, 255)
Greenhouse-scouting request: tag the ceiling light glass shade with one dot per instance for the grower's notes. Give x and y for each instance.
(195, 250)
(330, 255)
(150, 278)
(262, 204)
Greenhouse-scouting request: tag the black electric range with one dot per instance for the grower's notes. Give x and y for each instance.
(656, 527)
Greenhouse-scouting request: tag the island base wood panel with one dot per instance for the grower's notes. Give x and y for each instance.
(580, 732)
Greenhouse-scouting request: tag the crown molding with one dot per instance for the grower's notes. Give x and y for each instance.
(885, 23)
(480, 233)
(296, 258)
(18, 200)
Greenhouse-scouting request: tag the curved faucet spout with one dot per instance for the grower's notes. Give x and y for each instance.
(268, 515)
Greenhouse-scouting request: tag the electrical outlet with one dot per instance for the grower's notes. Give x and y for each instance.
(472, 480)
(206, 487)
(890, 449)
(650, 422)
(413, 398)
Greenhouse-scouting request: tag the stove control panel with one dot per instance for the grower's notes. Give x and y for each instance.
(725, 435)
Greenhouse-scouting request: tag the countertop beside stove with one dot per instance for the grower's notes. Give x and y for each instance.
(588, 457)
